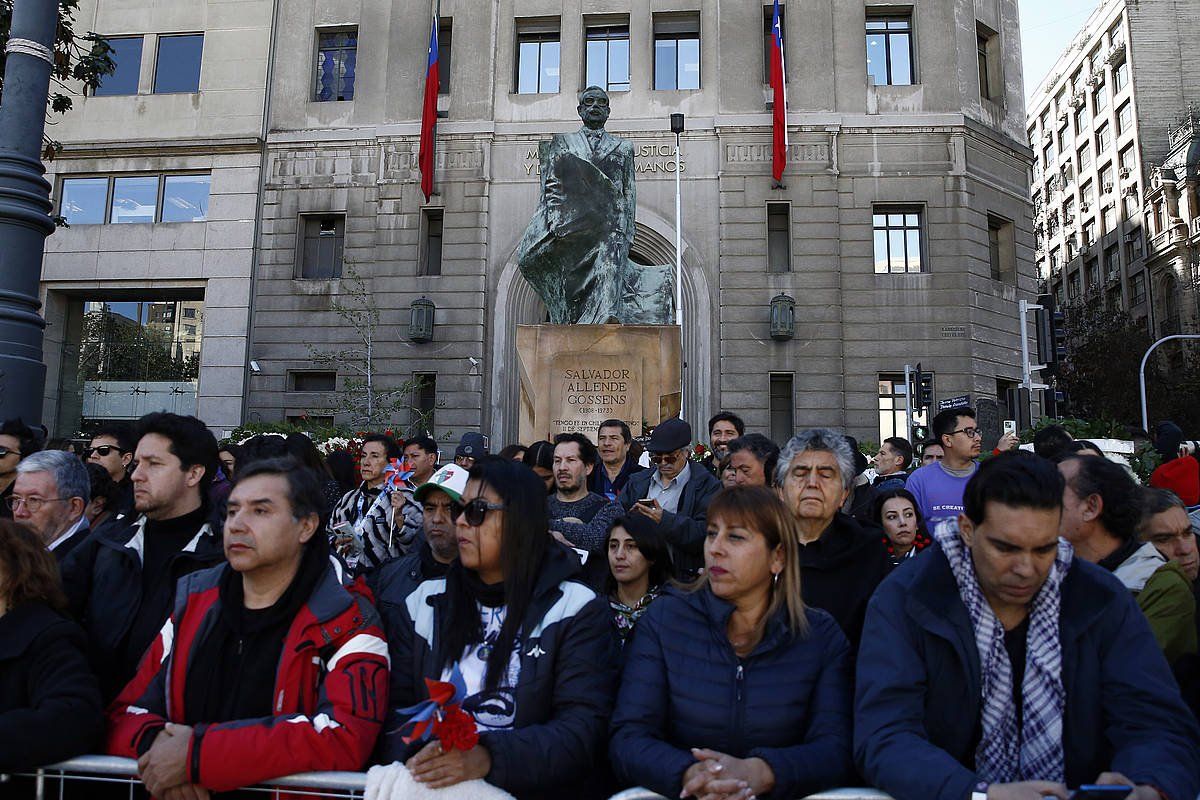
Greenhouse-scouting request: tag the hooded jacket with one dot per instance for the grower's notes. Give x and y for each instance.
(918, 701)
(49, 701)
(685, 528)
(1165, 596)
(788, 702)
(840, 570)
(564, 690)
(329, 698)
(103, 581)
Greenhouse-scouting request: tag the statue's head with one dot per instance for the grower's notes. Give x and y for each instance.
(593, 107)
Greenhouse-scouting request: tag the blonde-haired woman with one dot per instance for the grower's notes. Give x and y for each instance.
(735, 689)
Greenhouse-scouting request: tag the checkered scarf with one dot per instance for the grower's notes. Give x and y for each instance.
(1036, 753)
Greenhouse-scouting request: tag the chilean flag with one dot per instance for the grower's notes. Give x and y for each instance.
(778, 84)
(429, 113)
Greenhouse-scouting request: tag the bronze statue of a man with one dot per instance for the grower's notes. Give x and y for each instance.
(575, 251)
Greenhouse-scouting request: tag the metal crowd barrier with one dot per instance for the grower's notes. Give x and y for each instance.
(50, 782)
(110, 770)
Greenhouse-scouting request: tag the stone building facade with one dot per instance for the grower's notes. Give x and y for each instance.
(902, 230)
(921, 144)
(1100, 126)
(159, 180)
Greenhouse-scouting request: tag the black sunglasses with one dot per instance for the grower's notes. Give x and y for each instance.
(475, 511)
(103, 450)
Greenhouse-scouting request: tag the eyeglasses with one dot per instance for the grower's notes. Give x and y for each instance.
(4, 452)
(970, 433)
(475, 511)
(103, 450)
(659, 458)
(32, 504)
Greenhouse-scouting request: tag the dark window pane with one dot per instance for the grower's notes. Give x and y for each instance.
(782, 407)
(445, 48)
(127, 56)
(321, 253)
(185, 198)
(433, 243)
(178, 67)
(779, 256)
(134, 199)
(83, 200)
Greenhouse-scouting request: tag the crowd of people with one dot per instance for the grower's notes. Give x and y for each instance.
(568, 618)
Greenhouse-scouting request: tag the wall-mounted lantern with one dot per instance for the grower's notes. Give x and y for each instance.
(420, 320)
(783, 317)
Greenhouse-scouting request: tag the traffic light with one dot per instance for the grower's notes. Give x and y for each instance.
(923, 381)
(1051, 334)
(1055, 403)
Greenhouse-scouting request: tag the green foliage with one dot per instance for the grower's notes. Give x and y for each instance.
(1080, 428)
(79, 59)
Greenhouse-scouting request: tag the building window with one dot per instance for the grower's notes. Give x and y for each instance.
(337, 58)
(779, 237)
(893, 407)
(1089, 232)
(1112, 263)
(424, 399)
(538, 50)
(1048, 154)
(185, 198)
(135, 199)
(987, 53)
(1002, 253)
(431, 256)
(322, 246)
(890, 50)
(1120, 76)
(1108, 219)
(1137, 288)
(1131, 203)
(83, 201)
(1127, 159)
(445, 50)
(1092, 272)
(127, 60)
(897, 240)
(676, 51)
(1087, 196)
(1100, 98)
(323, 381)
(1125, 118)
(1081, 119)
(1085, 157)
(1135, 244)
(608, 57)
(1103, 140)
(1073, 282)
(177, 69)
(1055, 259)
(1106, 178)
(769, 38)
(782, 406)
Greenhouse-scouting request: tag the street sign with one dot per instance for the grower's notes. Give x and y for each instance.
(961, 401)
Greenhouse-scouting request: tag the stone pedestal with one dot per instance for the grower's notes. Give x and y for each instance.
(575, 376)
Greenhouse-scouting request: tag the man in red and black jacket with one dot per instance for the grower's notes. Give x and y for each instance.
(269, 665)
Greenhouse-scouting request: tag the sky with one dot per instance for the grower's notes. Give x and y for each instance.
(1047, 27)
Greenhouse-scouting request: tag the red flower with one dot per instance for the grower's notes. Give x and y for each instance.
(456, 729)
(699, 449)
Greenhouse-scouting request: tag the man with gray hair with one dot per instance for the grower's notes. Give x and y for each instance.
(841, 559)
(49, 496)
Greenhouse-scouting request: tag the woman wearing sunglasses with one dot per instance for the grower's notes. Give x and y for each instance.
(736, 689)
(534, 646)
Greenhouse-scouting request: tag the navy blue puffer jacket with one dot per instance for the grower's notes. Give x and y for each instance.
(683, 686)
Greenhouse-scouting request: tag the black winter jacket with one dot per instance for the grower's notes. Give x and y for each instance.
(686, 529)
(49, 701)
(564, 693)
(683, 686)
(103, 581)
(839, 572)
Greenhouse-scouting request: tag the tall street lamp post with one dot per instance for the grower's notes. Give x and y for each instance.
(24, 206)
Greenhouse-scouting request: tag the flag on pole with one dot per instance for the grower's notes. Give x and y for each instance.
(429, 113)
(779, 86)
